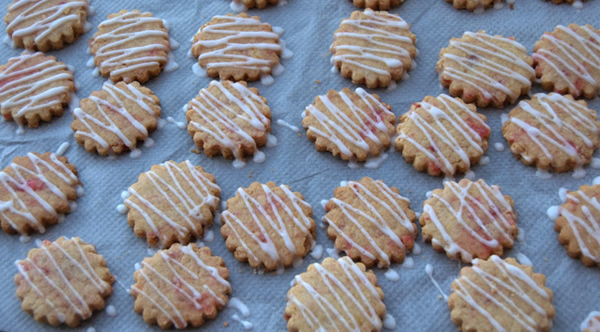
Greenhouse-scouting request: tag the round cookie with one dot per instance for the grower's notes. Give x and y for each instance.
(377, 4)
(475, 5)
(373, 48)
(45, 25)
(130, 46)
(591, 322)
(181, 287)
(442, 135)
(237, 47)
(371, 222)
(485, 69)
(353, 125)
(336, 295)
(552, 132)
(500, 295)
(36, 190)
(172, 203)
(469, 220)
(268, 226)
(34, 87)
(114, 119)
(567, 60)
(63, 282)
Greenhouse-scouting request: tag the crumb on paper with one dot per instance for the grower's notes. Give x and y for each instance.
(440, 297)
(318, 81)
(545, 259)
(225, 323)
(196, 151)
(250, 174)
(299, 135)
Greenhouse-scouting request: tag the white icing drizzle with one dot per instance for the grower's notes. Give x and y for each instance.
(209, 236)
(181, 125)
(591, 322)
(111, 311)
(62, 148)
(429, 271)
(499, 146)
(245, 324)
(588, 223)
(392, 275)
(237, 6)
(240, 306)
(408, 263)
(389, 322)
(283, 123)
(522, 259)
(317, 252)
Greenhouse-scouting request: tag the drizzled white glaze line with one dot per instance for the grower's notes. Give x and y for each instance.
(591, 322)
(589, 223)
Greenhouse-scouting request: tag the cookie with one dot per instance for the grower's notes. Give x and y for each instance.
(571, 2)
(373, 48)
(237, 47)
(473, 5)
(36, 190)
(45, 25)
(352, 125)
(268, 226)
(377, 4)
(485, 69)
(180, 287)
(260, 4)
(442, 135)
(34, 87)
(172, 203)
(567, 60)
(578, 224)
(63, 282)
(469, 220)
(130, 46)
(371, 222)
(591, 322)
(114, 119)
(552, 132)
(335, 296)
(500, 295)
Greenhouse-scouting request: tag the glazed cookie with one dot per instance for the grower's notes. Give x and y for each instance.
(180, 287)
(229, 119)
(63, 282)
(114, 119)
(260, 4)
(335, 296)
(237, 47)
(172, 203)
(34, 87)
(567, 60)
(500, 295)
(591, 322)
(268, 226)
(371, 222)
(36, 191)
(469, 220)
(130, 46)
(373, 48)
(572, 2)
(353, 125)
(485, 69)
(442, 135)
(473, 5)
(46, 25)
(377, 4)
(552, 132)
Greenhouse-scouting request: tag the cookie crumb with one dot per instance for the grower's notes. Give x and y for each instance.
(196, 151)
(225, 324)
(318, 82)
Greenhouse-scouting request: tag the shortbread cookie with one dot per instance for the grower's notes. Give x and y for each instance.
(268, 226)
(578, 224)
(229, 119)
(236, 47)
(371, 222)
(114, 119)
(377, 4)
(442, 135)
(353, 125)
(335, 296)
(172, 203)
(477, 4)
(558, 2)
(130, 46)
(489, 70)
(63, 282)
(469, 220)
(180, 287)
(34, 87)
(552, 132)
(260, 4)
(500, 295)
(591, 322)
(36, 190)
(45, 24)
(567, 60)
(373, 48)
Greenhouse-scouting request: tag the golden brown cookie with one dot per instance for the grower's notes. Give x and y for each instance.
(172, 203)
(36, 191)
(485, 69)
(63, 282)
(469, 220)
(260, 4)
(373, 48)
(571, 2)
(500, 295)
(335, 296)
(180, 287)
(552, 132)
(442, 135)
(114, 119)
(377, 4)
(371, 222)
(130, 46)
(591, 322)
(34, 87)
(474, 5)
(268, 226)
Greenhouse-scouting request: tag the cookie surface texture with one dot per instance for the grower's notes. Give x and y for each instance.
(260, 4)
(377, 4)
